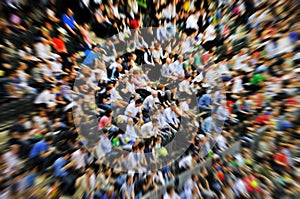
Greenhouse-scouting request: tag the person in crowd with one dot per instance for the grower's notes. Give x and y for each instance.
(127, 189)
(170, 193)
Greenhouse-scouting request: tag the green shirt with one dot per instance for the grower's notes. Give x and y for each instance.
(256, 79)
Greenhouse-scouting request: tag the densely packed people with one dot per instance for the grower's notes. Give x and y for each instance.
(171, 83)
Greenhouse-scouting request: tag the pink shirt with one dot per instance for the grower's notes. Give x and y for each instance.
(104, 120)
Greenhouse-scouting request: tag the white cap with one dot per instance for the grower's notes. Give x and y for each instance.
(297, 70)
(51, 104)
(201, 136)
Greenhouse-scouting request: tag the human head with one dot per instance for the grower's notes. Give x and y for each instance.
(170, 190)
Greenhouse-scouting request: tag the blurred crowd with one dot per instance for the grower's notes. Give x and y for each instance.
(167, 85)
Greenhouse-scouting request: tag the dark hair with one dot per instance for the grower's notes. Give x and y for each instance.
(48, 138)
(141, 145)
(105, 130)
(193, 176)
(107, 112)
(202, 169)
(108, 89)
(128, 177)
(138, 101)
(170, 188)
(154, 120)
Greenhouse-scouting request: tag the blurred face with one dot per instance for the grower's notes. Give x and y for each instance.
(86, 26)
(138, 104)
(155, 124)
(69, 12)
(214, 116)
(15, 149)
(168, 61)
(23, 66)
(172, 192)
(130, 122)
(90, 172)
(129, 181)
(111, 192)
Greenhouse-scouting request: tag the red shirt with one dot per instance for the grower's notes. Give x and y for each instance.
(134, 24)
(59, 45)
(262, 119)
(281, 157)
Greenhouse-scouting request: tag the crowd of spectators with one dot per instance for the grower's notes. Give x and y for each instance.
(172, 84)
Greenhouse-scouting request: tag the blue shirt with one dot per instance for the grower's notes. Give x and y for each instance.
(38, 148)
(178, 68)
(58, 165)
(105, 196)
(29, 179)
(70, 21)
(89, 60)
(208, 125)
(205, 100)
(105, 144)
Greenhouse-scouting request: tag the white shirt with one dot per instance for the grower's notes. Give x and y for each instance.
(192, 22)
(79, 158)
(184, 86)
(170, 116)
(44, 97)
(56, 67)
(130, 87)
(12, 160)
(47, 71)
(150, 101)
(198, 78)
(177, 68)
(284, 45)
(130, 132)
(114, 95)
(187, 46)
(223, 69)
(132, 109)
(162, 121)
(115, 11)
(146, 58)
(185, 106)
(175, 196)
(149, 130)
(159, 177)
(86, 2)
(43, 51)
(237, 86)
(210, 33)
(166, 70)
(170, 12)
(221, 141)
(162, 33)
(222, 113)
(189, 185)
(239, 188)
(211, 76)
(271, 50)
(157, 54)
(22, 76)
(238, 62)
(186, 162)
